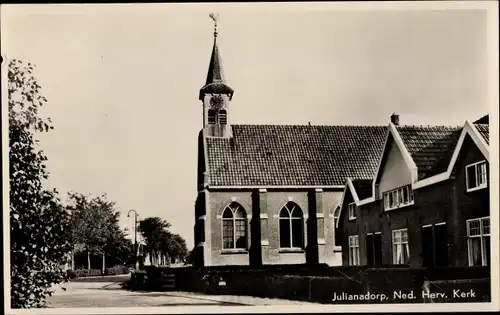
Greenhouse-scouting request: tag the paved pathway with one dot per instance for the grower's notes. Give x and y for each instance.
(110, 294)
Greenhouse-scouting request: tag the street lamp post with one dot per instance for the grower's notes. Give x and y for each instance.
(135, 235)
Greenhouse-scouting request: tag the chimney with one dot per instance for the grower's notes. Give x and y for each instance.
(395, 119)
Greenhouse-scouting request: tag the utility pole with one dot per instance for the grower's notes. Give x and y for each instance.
(135, 235)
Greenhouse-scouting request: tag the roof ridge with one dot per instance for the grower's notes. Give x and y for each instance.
(300, 125)
(432, 126)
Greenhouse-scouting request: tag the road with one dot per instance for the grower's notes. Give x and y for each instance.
(108, 292)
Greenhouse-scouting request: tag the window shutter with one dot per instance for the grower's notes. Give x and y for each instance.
(211, 117)
(222, 117)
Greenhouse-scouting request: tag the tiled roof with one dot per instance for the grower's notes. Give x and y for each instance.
(429, 145)
(291, 155)
(484, 130)
(483, 120)
(363, 188)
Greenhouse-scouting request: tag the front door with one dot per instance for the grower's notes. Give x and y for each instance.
(374, 249)
(427, 246)
(441, 245)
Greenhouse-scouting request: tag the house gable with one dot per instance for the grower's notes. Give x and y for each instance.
(348, 196)
(395, 172)
(396, 167)
(469, 130)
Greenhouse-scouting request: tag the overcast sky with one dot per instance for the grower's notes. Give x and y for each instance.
(122, 83)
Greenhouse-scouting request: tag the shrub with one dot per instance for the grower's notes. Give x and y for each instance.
(116, 270)
(81, 273)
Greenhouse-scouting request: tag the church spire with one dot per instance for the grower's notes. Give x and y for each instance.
(214, 17)
(215, 82)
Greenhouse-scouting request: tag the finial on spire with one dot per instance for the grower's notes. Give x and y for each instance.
(214, 17)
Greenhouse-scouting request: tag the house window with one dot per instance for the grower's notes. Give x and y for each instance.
(476, 176)
(354, 250)
(478, 241)
(400, 247)
(399, 197)
(234, 227)
(291, 226)
(352, 211)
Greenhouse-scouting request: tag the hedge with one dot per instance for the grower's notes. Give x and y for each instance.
(82, 273)
(116, 270)
(79, 273)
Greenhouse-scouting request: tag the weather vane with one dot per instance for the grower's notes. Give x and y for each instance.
(214, 17)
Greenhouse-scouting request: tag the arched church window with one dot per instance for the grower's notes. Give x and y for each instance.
(212, 116)
(234, 227)
(291, 226)
(222, 117)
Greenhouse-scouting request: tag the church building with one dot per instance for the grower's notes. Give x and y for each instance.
(270, 194)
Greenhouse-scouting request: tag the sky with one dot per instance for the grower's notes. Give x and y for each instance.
(122, 83)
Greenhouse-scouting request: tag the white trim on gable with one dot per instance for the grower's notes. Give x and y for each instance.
(354, 195)
(387, 134)
(392, 131)
(470, 130)
(366, 201)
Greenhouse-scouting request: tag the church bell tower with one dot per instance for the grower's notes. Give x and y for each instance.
(216, 95)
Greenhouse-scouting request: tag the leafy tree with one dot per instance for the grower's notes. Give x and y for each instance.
(39, 225)
(120, 251)
(95, 225)
(153, 229)
(189, 259)
(178, 249)
(162, 245)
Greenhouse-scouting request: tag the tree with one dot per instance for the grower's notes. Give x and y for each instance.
(120, 251)
(189, 259)
(95, 225)
(39, 225)
(152, 230)
(178, 250)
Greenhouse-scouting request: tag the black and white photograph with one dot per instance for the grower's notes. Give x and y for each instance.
(250, 157)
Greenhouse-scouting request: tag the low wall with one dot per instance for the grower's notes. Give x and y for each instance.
(323, 284)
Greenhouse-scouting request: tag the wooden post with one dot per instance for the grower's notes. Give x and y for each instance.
(88, 259)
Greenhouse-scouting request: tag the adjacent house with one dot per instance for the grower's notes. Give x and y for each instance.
(428, 203)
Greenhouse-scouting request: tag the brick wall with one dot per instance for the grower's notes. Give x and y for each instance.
(262, 208)
(470, 205)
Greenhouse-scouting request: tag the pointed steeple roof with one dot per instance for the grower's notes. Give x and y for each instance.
(215, 73)
(215, 78)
